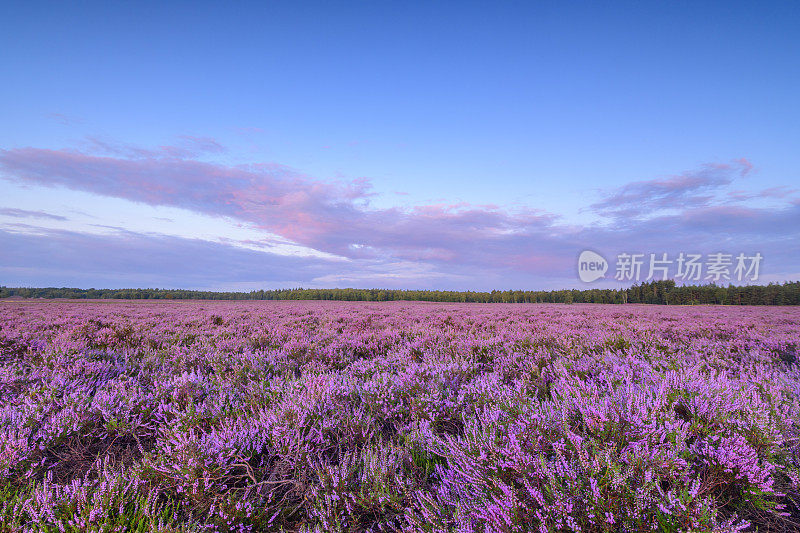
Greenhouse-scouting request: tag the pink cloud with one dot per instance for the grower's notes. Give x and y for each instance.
(328, 216)
(477, 242)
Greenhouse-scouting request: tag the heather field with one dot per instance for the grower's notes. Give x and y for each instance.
(313, 416)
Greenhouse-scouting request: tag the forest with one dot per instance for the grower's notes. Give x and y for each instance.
(655, 292)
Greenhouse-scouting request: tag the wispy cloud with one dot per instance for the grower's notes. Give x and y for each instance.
(54, 257)
(64, 120)
(687, 190)
(24, 213)
(779, 193)
(185, 147)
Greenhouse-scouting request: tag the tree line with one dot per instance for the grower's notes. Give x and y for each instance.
(655, 292)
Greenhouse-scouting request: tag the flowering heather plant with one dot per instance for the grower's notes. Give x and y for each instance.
(312, 417)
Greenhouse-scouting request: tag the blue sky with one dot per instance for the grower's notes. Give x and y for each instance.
(484, 141)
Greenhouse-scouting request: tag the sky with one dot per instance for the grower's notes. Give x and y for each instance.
(435, 145)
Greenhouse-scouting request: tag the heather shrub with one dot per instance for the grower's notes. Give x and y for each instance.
(311, 416)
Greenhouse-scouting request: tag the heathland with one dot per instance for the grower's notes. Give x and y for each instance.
(331, 416)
